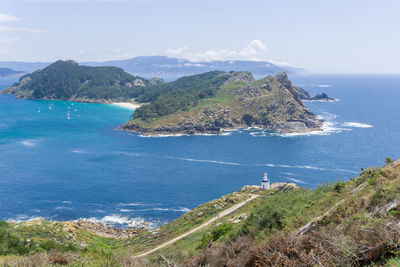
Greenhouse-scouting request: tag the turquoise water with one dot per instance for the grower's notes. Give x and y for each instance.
(64, 169)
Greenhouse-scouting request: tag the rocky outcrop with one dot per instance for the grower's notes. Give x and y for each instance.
(304, 95)
(138, 82)
(105, 230)
(242, 76)
(322, 97)
(156, 81)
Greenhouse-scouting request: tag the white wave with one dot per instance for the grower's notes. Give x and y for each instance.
(35, 210)
(135, 204)
(79, 151)
(207, 161)
(24, 218)
(161, 209)
(260, 164)
(329, 126)
(223, 133)
(357, 125)
(100, 211)
(115, 219)
(162, 135)
(64, 208)
(156, 209)
(28, 143)
(322, 100)
(184, 210)
(173, 209)
(316, 85)
(296, 180)
(125, 210)
(66, 202)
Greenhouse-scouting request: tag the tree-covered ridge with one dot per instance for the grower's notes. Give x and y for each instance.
(180, 94)
(67, 80)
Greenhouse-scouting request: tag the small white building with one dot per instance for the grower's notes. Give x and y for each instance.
(265, 182)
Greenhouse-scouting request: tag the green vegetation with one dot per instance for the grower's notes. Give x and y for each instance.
(350, 223)
(179, 95)
(66, 80)
(203, 103)
(215, 101)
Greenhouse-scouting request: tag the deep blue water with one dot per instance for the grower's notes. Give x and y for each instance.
(83, 167)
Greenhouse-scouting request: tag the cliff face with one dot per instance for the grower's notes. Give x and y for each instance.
(271, 103)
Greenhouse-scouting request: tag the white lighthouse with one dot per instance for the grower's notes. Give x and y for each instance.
(265, 182)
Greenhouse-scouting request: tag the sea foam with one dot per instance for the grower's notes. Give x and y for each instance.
(357, 125)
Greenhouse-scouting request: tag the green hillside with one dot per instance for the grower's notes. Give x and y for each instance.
(66, 80)
(216, 101)
(352, 223)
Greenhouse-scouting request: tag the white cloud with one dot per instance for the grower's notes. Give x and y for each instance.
(18, 29)
(8, 18)
(255, 50)
(280, 63)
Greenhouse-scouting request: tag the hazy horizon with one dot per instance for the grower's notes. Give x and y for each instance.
(341, 37)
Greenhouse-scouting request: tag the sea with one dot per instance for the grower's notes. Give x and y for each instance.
(67, 161)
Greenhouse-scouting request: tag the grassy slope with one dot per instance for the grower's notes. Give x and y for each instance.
(44, 238)
(223, 97)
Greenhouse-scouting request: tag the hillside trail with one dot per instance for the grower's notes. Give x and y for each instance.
(216, 217)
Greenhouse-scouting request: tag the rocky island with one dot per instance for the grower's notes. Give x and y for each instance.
(237, 101)
(304, 95)
(207, 103)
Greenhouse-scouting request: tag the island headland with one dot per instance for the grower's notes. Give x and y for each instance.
(208, 103)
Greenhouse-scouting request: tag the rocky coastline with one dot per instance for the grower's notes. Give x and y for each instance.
(193, 128)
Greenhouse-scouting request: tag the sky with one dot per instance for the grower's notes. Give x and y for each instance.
(341, 36)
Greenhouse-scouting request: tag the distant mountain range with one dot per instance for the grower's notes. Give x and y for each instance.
(5, 72)
(170, 68)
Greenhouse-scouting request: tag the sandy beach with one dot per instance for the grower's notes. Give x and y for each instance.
(127, 105)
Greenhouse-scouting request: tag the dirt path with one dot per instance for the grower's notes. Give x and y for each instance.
(218, 216)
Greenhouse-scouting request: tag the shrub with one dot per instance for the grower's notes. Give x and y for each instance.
(388, 161)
